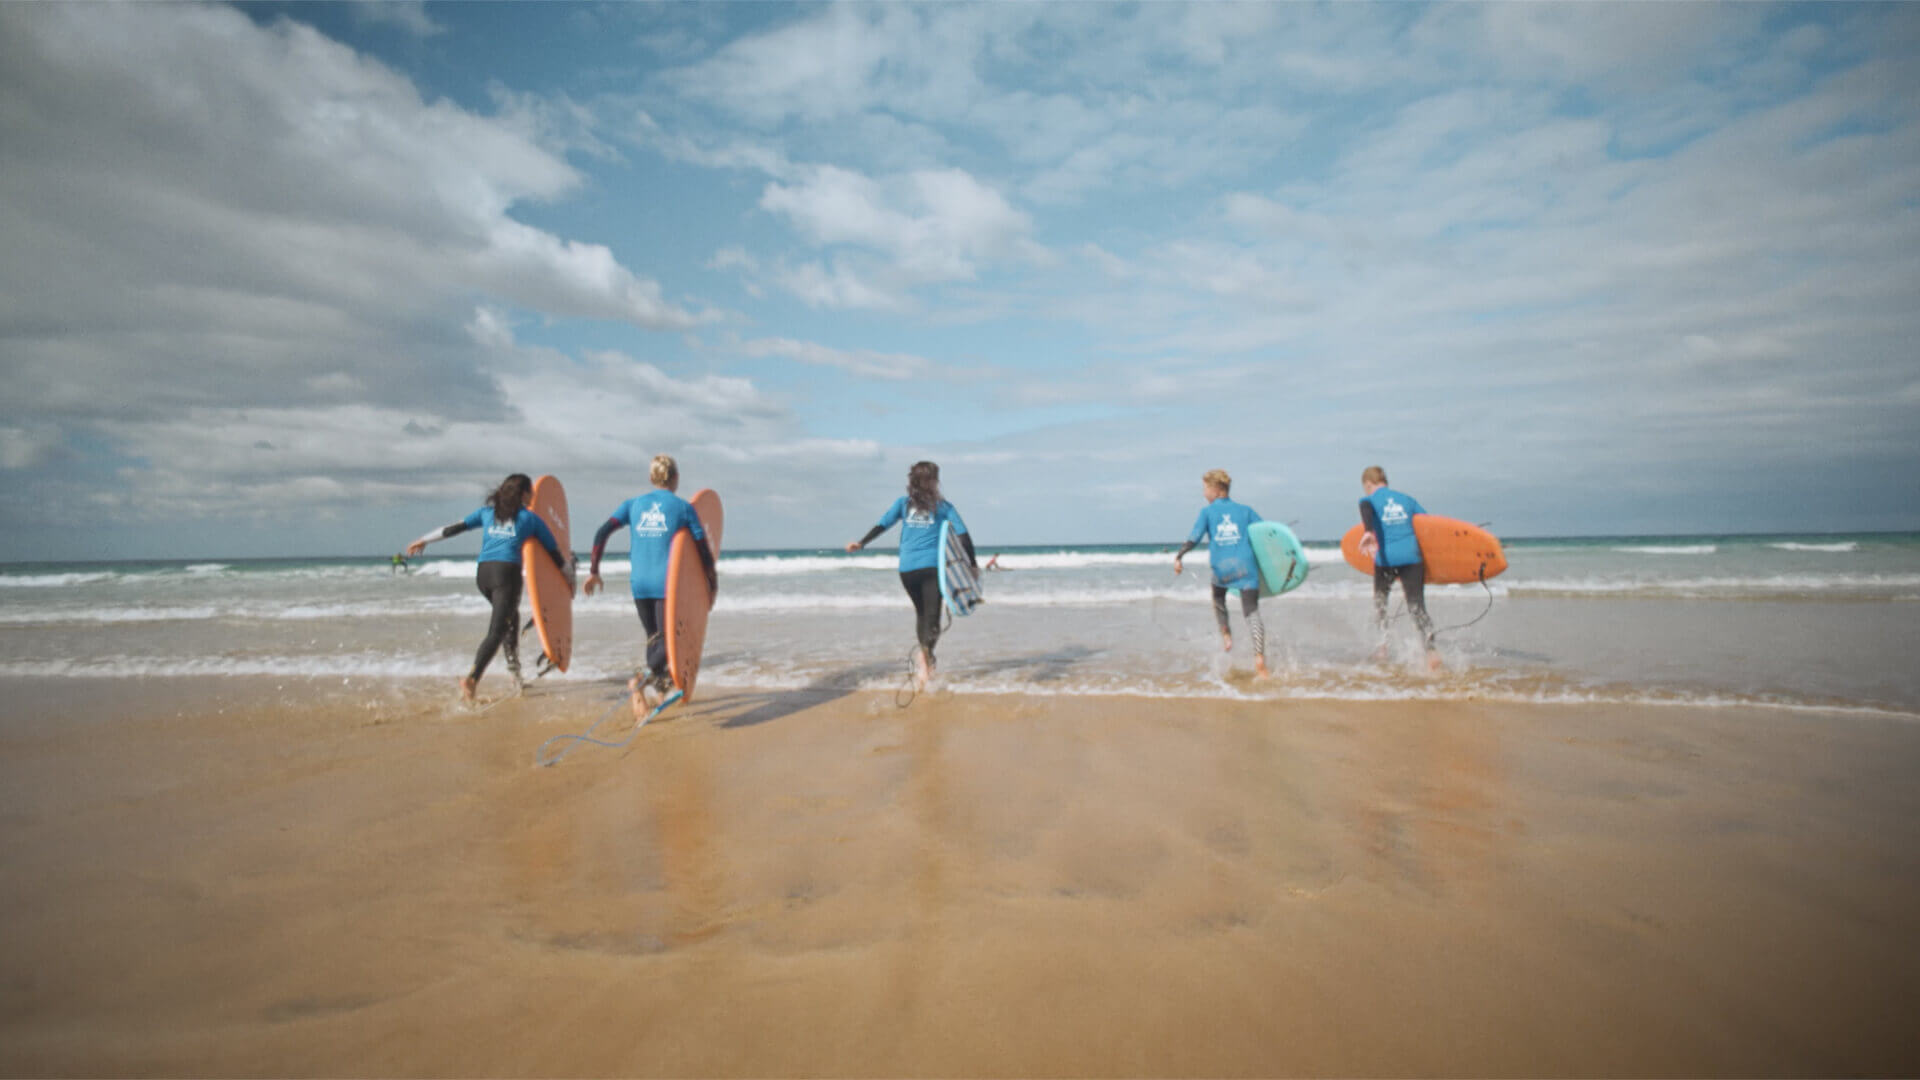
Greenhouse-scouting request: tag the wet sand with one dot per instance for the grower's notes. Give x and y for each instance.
(817, 883)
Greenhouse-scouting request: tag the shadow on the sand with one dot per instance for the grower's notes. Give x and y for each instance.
(779, 704)
(775, 705)
(1043, 667)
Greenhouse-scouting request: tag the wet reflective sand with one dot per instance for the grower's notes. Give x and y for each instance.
(818, 883)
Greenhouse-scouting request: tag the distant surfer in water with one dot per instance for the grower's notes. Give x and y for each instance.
(920, 513)
(1395, 550)
(653, 519)
(1223, 523)
(508, 523)
(400, 564)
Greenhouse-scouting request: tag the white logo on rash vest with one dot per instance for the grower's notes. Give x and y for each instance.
(502, 530)
(1393, 513)
(918, 519)
(653, 522)
(1227, 534)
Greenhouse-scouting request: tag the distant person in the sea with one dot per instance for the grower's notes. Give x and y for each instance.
(1223, 524)
(993, 563)
(920, 513)
(400, 564)
(653, 519)
(1395, 550)
(508, 523)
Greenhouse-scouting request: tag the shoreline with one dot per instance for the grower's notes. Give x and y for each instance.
(815, 882)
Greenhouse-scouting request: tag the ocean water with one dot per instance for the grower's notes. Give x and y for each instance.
(1826, 622)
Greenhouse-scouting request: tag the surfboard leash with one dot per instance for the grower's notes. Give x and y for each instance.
(1483, 611)
(1403, 613)
(540, 755)
(912, 687)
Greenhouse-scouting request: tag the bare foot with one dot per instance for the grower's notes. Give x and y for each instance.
(1434, 663)
(1380, 654)
(1260, 668)
(467, 686)
(922, 668)
(1226, 641)
(640, 709)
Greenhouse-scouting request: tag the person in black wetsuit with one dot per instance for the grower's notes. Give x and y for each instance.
(1395, 550)
(919, 513)
(508, 523)
(653, 518)
(1224, 524)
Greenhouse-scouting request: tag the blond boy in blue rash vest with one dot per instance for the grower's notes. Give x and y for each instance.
(1395, 550)
(1223, 523)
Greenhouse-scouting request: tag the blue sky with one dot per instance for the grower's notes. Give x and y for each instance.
(310, 278)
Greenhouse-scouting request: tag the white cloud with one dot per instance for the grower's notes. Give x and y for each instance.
(203, 212)
(862, 362)
(927, 226)
(408, 15)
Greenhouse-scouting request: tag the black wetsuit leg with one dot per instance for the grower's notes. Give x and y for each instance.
(500, 583)
(653, 616)
(923, 586)
(1249, 608)
(1382, 589)
(1413, 583)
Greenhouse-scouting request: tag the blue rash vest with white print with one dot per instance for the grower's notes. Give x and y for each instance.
(652, 520)
(1393, 527)
(502, 539)
(920, 532)
(1223, 524)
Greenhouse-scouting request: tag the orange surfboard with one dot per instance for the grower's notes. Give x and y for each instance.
(1455, 553)
(688, 598)
(548, 588)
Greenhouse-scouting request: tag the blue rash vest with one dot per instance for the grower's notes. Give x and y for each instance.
(652, 521)
(920, 532)
(502, 539)
(1392, 527)
(1223, 523)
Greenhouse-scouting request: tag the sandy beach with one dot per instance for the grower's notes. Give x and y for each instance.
(214, 881)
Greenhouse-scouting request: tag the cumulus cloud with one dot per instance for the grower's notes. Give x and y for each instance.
(862, 362)
(930, 225)
(408, 15)
(206, 213)
(1659, 244)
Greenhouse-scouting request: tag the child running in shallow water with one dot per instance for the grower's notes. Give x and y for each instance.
(653, 519)
(919, 513)
(508, 523)
(1223, 524)
(1395, 550)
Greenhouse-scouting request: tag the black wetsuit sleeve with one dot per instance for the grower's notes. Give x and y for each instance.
(1184, 548)
(454, 529)
(600, 543)
(871, 534)
(1372, 522)
(551, 543)
(706, 563)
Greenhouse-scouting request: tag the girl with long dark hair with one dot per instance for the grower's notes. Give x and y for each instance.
(920, 513)
(508, 523)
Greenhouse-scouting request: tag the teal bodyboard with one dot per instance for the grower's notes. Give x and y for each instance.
(1281, 559)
